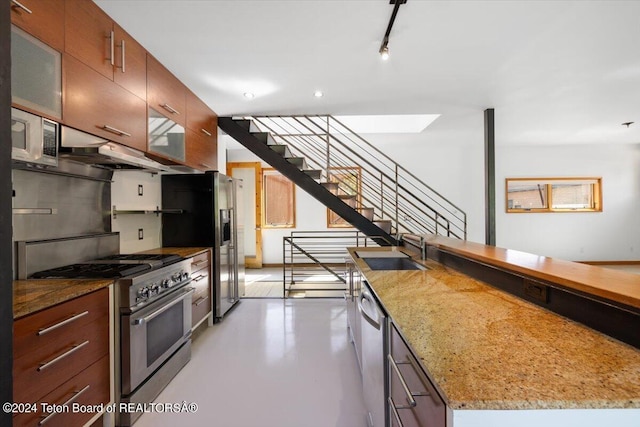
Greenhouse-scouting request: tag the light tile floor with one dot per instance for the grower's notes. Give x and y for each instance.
(270, 363)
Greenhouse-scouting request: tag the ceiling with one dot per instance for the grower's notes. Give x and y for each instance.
(556, 72)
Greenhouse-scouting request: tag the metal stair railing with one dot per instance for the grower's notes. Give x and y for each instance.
(391, 190)
(314, 261)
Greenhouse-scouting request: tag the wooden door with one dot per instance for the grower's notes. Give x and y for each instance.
(251, 174)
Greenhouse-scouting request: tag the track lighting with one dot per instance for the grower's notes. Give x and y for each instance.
(384, 47)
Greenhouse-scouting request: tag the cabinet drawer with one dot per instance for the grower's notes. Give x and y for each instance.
(89, 387)
(53, 358)
(429, 409)
(199, 262)
(32, 333)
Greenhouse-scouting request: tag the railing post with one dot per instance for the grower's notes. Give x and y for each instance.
(328, 139)
(396, 190)
(437, 215)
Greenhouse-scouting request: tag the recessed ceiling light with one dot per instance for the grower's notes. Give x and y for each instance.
(249, 95)
(318, 94)
(384, 53)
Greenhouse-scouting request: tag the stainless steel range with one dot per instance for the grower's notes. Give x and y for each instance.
(153, 322)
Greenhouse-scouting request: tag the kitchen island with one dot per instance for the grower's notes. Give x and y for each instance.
(497, 360)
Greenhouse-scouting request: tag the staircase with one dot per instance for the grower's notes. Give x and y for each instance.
(315, 151)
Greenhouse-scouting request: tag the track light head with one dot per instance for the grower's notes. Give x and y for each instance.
(384, 52)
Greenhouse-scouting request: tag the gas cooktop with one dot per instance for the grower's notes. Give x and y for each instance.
(110, 267)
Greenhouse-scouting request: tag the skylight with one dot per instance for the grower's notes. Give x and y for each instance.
(396, 123)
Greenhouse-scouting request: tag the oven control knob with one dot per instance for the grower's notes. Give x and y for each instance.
(166, 283)
(143, 293)
(185, 275)
(155, 289)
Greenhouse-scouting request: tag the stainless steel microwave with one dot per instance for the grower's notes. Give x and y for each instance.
(33, 139)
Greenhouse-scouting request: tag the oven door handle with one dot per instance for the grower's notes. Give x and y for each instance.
(154, 314)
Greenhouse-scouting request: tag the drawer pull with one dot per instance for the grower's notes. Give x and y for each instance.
(65, 404)
(201, 300)
(21, 6)
(69, 352)
(170, 109)
(122, 57)
(410, 400)
(206, 132)
(116, 131)
(112, 48)
(199, 263)
(200, 277)
(64, 322)
(394, 411)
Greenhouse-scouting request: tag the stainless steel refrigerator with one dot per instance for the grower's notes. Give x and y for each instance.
(206, 210)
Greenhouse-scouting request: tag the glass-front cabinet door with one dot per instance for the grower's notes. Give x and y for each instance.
(36, 75)
(166, 137)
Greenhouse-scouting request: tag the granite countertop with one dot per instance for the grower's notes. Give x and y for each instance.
(183, 252)
(486, 349)
(34, 295)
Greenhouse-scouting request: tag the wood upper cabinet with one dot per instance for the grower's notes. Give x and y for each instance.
(201, 151)
(92, 37)
(201, 135)
(43, 19)
(93, 103)
(165, 93)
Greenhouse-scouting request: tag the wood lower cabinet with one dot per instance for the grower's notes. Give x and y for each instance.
(403, 369)
(201, 281)
(61, 356)
(43, 19)
(92, 37)
(95, 104)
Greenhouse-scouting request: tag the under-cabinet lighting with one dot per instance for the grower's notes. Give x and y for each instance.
(318, 94)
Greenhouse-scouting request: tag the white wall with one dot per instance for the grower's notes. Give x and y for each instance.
(613, 234)
(124, 196)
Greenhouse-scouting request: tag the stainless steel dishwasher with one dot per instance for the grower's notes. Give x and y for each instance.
(374, 324)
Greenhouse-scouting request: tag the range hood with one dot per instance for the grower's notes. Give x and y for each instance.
(86, 148)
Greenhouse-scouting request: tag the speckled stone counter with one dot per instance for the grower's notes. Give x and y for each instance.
(485, 349)
(34, 295)
(183, 252)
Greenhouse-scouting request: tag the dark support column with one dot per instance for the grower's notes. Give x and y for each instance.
(6, 286)
(489, 177)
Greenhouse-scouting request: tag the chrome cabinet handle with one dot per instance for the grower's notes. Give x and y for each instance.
(199, 263)
(116, 131)
(170, 109)
(21, 6)
(153, 315)
(59, 324)
(200, 277)
(394, 411)
(410, 400)
(69, 352)
(65, 404)
(206, 132)
(112, 48)
(205, 165)
(122, 56)
(201, 300)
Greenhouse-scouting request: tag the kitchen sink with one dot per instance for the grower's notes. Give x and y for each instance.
(393, 264)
